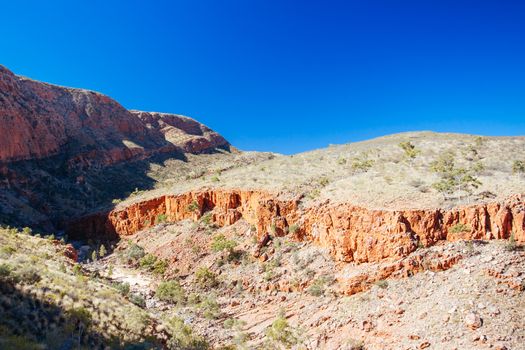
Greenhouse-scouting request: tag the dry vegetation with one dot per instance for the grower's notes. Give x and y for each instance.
(392, 171)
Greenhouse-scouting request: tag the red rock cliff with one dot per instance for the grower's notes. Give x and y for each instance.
(38, 120)
(351, 233)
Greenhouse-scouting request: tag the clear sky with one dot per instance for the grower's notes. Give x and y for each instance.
(286, 76)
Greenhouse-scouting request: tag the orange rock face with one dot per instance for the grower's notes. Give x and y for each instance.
(351, 233)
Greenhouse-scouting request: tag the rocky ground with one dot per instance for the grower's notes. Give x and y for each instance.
(408, 241)
(473, 300)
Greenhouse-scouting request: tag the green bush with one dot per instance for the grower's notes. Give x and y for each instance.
(220, 243)
(293, 228)
(205, 278)
(183, 337)
(193, 206)
(410, 150)
(138, 300)
(123, 288)
(134, 252)
(282, 333)
(362, 163)
(511, 244)
(160, 267)
(5, 270)
(147, 261)
(206, 218)
(29, 275)
(170, 291)
(458, 228)
(317, 287)
(102, 251)
(383, 284)
(210, 308)
(161, 218)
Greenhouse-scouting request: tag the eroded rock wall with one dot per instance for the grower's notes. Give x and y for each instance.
(351, 233)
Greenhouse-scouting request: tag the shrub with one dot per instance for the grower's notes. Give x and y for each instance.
(147, 261)
(220, 243)
(193, 206)
(5, 270)
(123, 288)
(362, 163)
(77, 269)
(210, 308)
(135, 252)
(138, 300)
(8, 250)
(458, 228)
(170, 291)
(160, 267)
(511, 243)
(383, 284)
(317, 287)
(206, 218)
(183, 337)
(323, 181)
(293, 228)
(27, 231)
(161, 218)
(29, 275)
(94, 255)
(518, 167)
(194, 299)
(410, 150)
(205, 278)
(281, 332)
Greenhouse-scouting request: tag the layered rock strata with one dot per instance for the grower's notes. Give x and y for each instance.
(351, 233)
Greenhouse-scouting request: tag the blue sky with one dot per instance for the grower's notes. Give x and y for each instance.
(286, 76)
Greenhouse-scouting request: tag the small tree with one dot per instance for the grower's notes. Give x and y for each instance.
(281, 333)
(102, 251)
(518, 168)
(94, 256)
(410, 150)
(361, 163)
(453, 179)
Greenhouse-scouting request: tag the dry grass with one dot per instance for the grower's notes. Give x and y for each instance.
(336, 173)
(41, 289)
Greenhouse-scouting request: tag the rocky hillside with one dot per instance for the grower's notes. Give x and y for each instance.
(408, 241)
(54, 140)
(40, 120)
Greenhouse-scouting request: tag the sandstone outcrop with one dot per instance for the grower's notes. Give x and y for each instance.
(38, 120)
(53, 138)
(351, 233)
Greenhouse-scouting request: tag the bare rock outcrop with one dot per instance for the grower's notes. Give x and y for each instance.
(38, 120)
(351, 233)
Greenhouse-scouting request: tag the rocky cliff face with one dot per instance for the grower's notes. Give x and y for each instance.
(352, 234)
(61, 149)
(39, 120)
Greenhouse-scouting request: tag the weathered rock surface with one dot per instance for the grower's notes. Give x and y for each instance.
(53, 136)
(352, 234)
(38, 120)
